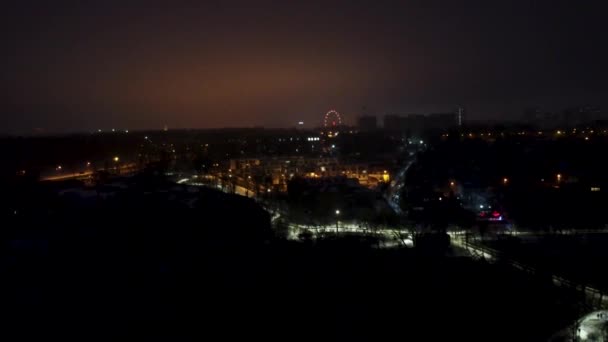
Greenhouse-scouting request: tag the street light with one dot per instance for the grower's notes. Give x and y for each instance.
(116, 159)
(505, 181)
(337, 219)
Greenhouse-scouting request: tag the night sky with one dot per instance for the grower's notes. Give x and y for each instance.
(81, 65)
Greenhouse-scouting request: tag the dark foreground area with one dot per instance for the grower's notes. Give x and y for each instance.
(149, 260)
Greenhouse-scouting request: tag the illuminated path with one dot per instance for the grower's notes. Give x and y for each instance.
(592, 327)
(390, 237)
(86, 174)
(67, 176)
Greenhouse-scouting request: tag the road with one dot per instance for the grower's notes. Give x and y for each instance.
(125, 168)
(458, 240)
(393, 193)
(67, 176)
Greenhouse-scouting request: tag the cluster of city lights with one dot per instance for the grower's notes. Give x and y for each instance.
(557, 132)
(313, 139)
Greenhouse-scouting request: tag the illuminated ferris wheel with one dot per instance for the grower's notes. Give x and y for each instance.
(332, 119)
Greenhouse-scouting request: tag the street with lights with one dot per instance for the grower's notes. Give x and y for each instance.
(126, 168)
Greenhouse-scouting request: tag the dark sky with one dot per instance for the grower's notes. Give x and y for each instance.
(82, 65)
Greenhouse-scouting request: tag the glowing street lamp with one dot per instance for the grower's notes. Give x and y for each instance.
(505, 181)
(337, 219)
(559, 177)
(116, 159)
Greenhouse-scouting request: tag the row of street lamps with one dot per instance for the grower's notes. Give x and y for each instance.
(116, 159)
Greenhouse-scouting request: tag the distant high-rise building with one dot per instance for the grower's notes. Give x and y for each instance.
(460, 112)
(368, 123)
(392, 122)
(441, 121)
(410, 124)
(532, 115)
(589, 113)
(417, 124)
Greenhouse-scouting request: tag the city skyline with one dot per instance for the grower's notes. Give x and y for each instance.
(83, 66)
